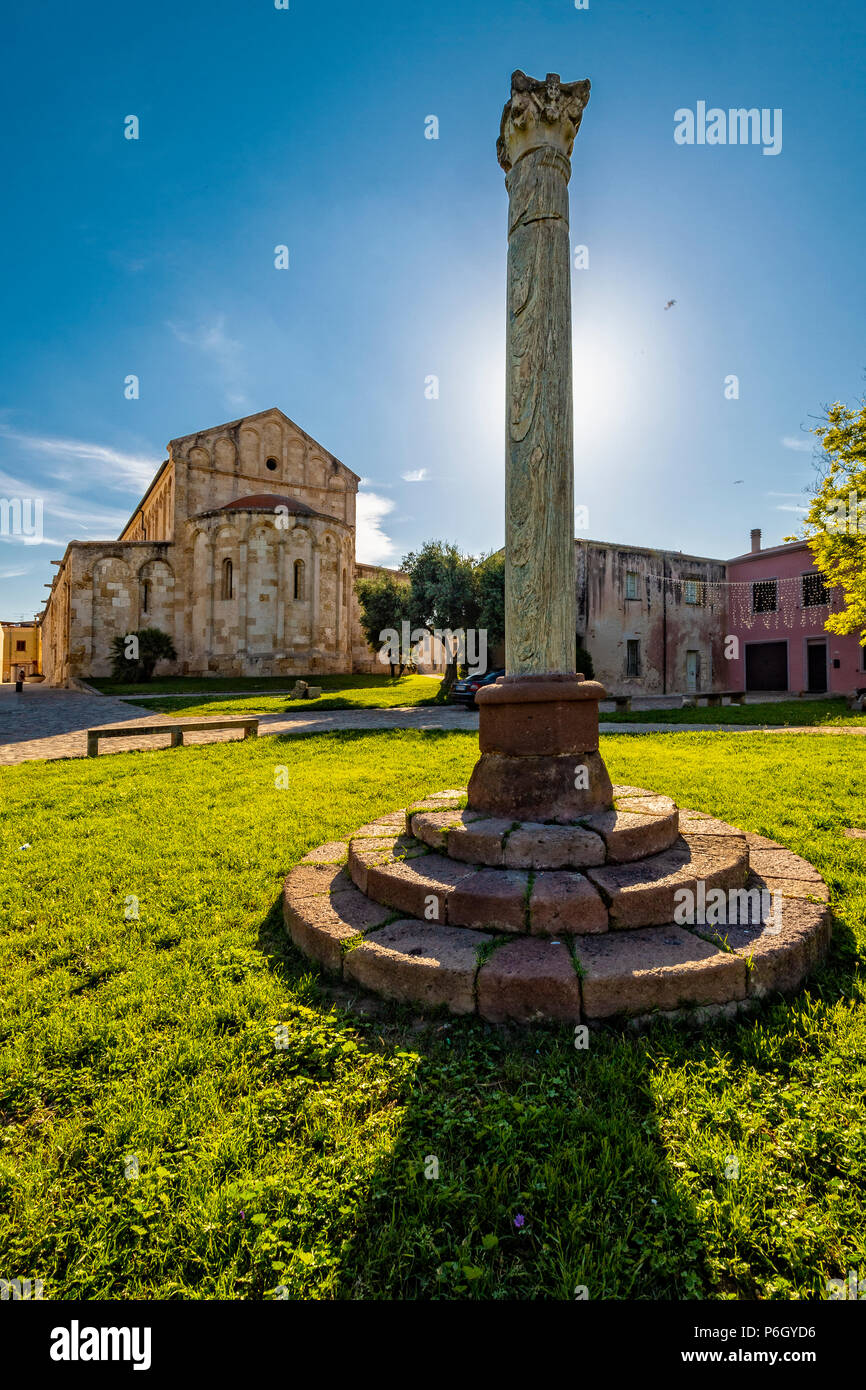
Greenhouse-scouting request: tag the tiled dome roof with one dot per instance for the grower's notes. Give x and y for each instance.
(262, 501)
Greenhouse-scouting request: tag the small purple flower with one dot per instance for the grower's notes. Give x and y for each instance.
(243, 1218)
(519, 1220)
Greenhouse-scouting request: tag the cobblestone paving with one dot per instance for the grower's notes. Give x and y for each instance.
(47, 723)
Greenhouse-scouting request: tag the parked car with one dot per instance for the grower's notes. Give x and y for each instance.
(463, 692)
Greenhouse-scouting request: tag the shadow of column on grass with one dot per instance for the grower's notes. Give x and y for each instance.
(526, 1167)
(522, 1167)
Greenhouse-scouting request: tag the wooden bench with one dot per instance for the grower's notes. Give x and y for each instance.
(177, 731)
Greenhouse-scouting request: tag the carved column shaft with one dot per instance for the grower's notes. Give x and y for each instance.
(537, 134)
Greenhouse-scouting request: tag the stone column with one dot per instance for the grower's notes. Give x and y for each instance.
(539, 125)
(538, 729)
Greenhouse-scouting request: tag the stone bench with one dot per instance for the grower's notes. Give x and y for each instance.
(177, 731)
(620, 702)
(717, 697)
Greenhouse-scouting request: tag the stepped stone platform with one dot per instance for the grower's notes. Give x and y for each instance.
(577, 922)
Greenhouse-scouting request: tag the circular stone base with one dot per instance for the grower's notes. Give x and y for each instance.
(627, 913)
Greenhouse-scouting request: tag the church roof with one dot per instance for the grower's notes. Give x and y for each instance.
(268, 502)
(261, 501)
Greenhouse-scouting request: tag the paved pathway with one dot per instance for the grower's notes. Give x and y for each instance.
(47, 723)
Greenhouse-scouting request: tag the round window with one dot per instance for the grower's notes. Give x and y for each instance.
(271, 464)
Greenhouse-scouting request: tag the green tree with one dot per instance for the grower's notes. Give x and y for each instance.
(443, 597)
(384, 603)
(135, 654)
(835, 524)
(490, 574)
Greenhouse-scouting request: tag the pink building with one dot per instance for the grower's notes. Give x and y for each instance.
(777, 607)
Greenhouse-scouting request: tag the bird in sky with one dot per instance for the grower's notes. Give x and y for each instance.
(670, 304)
(738, 480)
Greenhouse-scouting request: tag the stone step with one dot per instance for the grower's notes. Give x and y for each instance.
(637, 826)
(401, 917)
(642, 894)
(405, 875)
(665, 970)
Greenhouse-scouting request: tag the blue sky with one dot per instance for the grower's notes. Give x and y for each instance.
(305, 127)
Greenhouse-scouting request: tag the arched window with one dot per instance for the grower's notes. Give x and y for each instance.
(145, 595)
(228, 587)
(344, 594)
(299, 580)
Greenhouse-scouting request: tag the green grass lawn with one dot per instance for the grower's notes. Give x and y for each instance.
(773, 714)
(338, 692)
(302, 1169)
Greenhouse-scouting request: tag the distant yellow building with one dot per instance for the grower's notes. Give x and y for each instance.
(20, 649)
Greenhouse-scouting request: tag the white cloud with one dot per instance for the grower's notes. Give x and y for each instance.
(372, 545)
(110, 467)
(800, 446)
(12, 574)
(213, 341)
(60, 511)
(417, 475)
(785, 507)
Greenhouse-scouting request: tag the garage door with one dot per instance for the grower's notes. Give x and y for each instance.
(767, 666)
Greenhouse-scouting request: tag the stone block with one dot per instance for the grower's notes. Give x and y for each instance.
(321, 926)
(780, 954)
(529, 980)
(567, 903)
(662, 967)
(642, 894)
(419, 887)
(421, 964)
(537, 846)
(491, 898)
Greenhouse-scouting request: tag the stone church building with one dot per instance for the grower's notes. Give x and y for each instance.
(242, 550)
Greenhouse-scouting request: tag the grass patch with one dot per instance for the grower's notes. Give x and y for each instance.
(338, 692)
(302, 1165)
(773, 714)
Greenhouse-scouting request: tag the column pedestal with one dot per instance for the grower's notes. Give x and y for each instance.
(539, 761)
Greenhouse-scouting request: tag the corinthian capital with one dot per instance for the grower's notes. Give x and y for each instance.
(540, 114)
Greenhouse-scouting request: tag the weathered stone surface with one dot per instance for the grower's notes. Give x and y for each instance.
(308, 880)
(780, 954)
(540, 789)
(481, 840)
(434, 827)
(650, 805)
(366, 852)
(491, 898)
(538, 715)
(853, 832)
(810, 889)
(394, 823)
(641, 894)
(692, 824)
(334, 852)
(528, 980)
(320, 926)
(427, 965)
(439, 801)
(761, 842)
(535, 846)
(418, 887)
(629, 835)
(782, 863)
(630, 791)
(561, 901)
(540, 596)
(661, 967)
